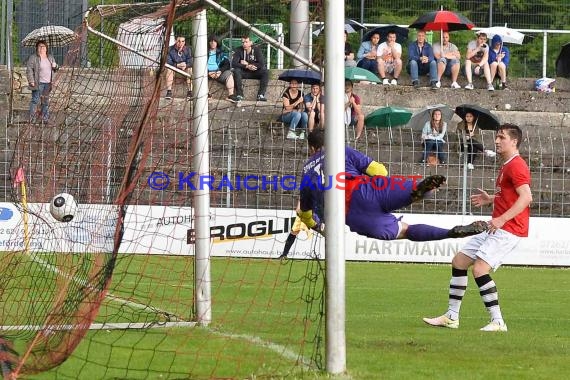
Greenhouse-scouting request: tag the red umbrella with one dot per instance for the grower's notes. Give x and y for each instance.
(444, 21)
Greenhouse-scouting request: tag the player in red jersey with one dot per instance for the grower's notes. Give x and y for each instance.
(487, 250)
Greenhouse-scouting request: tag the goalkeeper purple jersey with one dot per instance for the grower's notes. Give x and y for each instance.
(313, 184)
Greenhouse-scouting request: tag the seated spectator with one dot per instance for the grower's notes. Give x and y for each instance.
(179, 56)
(348, 53)
(468, 128)
(248, 63)
(499, 58)
(448, 60)
(219, 67)
(433, 137)
(353, 109)
(292, 113)
(367, 54)
(389, 57)
(421, 60)
(476, 61)
(315, 107)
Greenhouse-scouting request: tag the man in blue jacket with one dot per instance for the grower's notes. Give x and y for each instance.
(179, 56)
(499, 58)
(421, 61)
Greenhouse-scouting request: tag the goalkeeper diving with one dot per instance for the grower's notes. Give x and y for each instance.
(371, 197)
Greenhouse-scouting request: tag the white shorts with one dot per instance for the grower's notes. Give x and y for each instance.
(491, 248)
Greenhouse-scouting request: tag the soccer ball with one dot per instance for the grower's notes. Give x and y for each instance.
(63, 207)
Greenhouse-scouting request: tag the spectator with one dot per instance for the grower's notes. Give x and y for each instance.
(292, 113)
(348, 53)
(315, 107)
(499, 58)
(389, 57)
(468, 129)
(433, 136)
(476, 61)
(179, 56)
(219, 67)
(447, 58)
(421, 60)
(39, 72)
(367, 54)
(248, 63)
(353, 109)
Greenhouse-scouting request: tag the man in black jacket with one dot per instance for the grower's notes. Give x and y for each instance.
(248, 63)
(179, 56)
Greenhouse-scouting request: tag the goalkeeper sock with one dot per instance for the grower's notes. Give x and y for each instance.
(424, 232)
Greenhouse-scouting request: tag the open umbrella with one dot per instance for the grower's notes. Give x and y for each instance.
(444, 21)
(350, 26)
(54, 35)
(484, 118)
(401, 33)
(301, 76)
(387, 117)
(358, 74)
(423, 116)
(508, 35)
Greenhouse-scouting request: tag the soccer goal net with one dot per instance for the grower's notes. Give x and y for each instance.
(112, 293)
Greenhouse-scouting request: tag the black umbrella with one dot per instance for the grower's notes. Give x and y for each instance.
(301, 76)
(484, 118)
(401, 33)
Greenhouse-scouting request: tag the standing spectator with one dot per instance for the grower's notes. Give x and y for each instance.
(248, 63)
(219, 67)
(433, 136)
(476, 61)
(421, 60)
(468, 129)
(367, 54)
(315, 107)
(179, 56)
(448, 60)
(39, 71)
(348, 53)
(389, 57)
(499, 58)
(353, 109)
(487, 250)
(292, 113)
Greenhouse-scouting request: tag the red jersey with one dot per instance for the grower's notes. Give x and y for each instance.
(514, 173)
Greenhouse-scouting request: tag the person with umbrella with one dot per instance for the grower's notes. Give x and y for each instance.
(433, 136)
(292, 112)
(499, 58)
(486, 251)
(467, 128)
(367, 54)
(477, 61)
(39, 70)
(389, 57)
(448, 60)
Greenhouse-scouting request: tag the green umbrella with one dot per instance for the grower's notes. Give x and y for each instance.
(358, 74)
(387, 117)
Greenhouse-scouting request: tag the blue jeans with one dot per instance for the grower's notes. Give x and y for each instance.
(41, 95)
(437, 145)
(417, 69)
(293, 118)
(368, 64)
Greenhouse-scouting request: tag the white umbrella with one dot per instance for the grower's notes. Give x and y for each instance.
(53, 35)
(508, 35)
(421, 117)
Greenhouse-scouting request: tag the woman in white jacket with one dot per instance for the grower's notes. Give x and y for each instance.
(433, 137)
